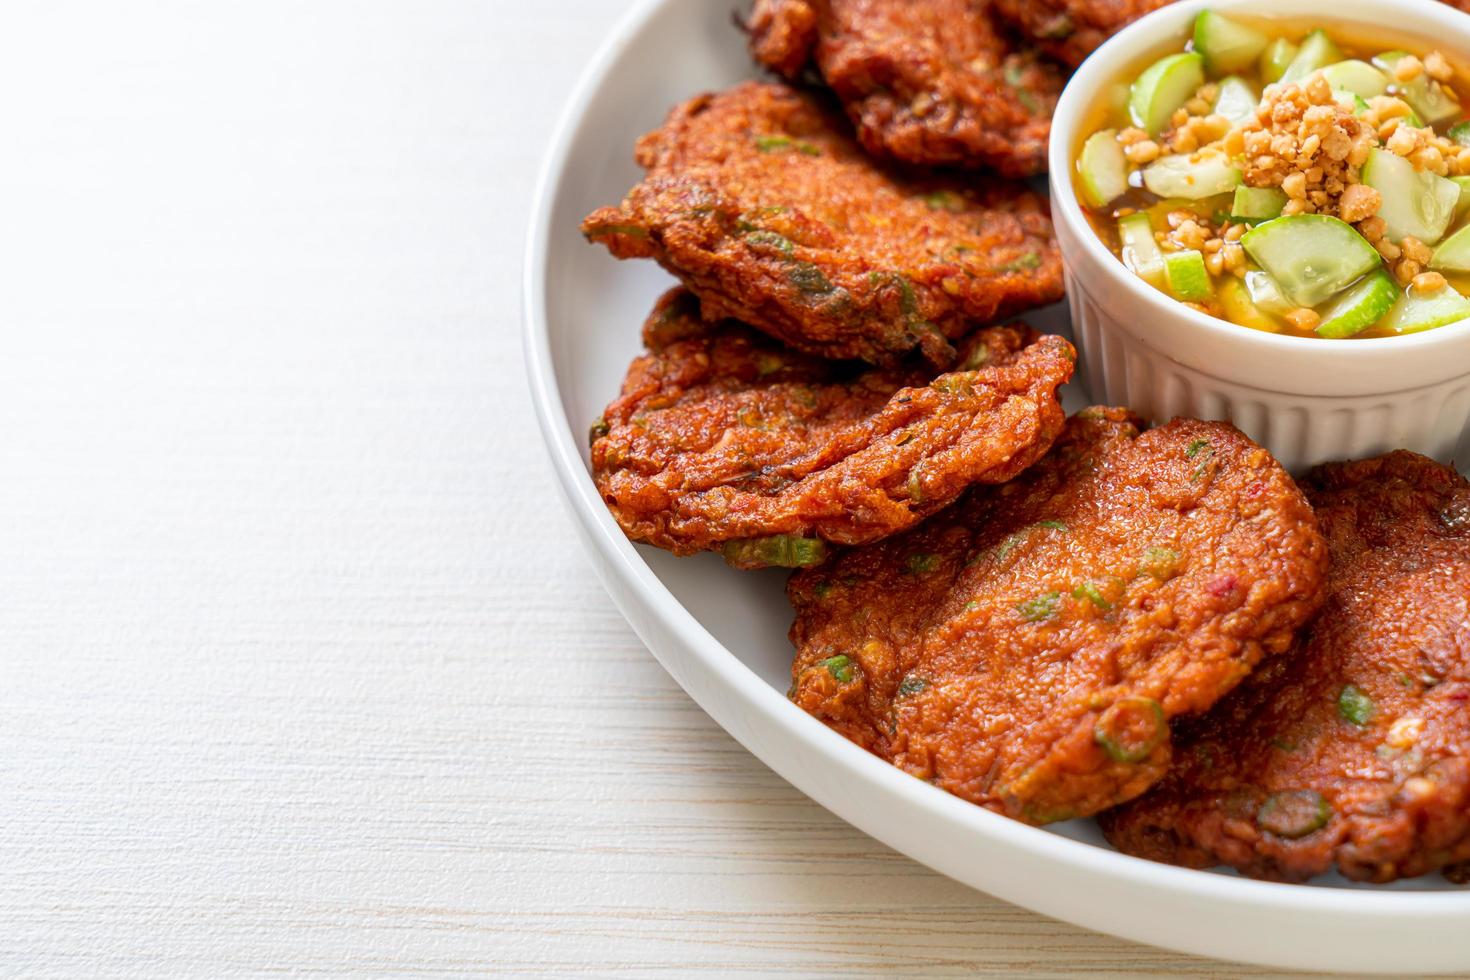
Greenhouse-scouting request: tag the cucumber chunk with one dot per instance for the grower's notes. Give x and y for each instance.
(1141, 251)
(1463, 207)
(1312, 256)
(1432, 102)
(1357, 77)
(1237, 100)
(1424, 311)
(1276, 59)
(1460, 133)
(1317, 52)
(1349, 101)
(1415, 202)
(1163, 87)
(1453, 254)
(1252, 205)
(1227, 45)
(1102, 169)
(1235, 300)
(1266, 293)
(1192, 176)
(1360, 307)
(1189, 280)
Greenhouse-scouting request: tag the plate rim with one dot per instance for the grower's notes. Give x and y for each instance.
(646, 598)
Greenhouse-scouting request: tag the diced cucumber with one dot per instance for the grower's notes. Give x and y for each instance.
(1434, 103)
(1163, 87)
(1460, 133)
(1357, 77)
(1227, 45)
(1464, 206)
(1141, 251)
(1415, 202)
(1237, 100)
(1360, 307)
(1189, 280)
(1266, 293)
(1191, 175)
(1253, 205)
(1312, 256)
(1317, 52)
(1453, 254)
(1351, 102)
(1424, 311)
(1276, 59)
(1236, 302)
(1102, 169)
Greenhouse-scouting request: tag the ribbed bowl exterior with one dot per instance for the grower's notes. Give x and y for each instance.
(1121, 368)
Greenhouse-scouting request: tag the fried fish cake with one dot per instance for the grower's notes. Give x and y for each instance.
(927, 82)
(723, 440)
(762, 204)
(1070, 30)
(1026, 648)
(1354, 749)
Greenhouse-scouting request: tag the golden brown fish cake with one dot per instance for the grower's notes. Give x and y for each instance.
(1070, 30)
(927, 82)
(761, 203)
(722, 440)
(1026, 648)
(1354, 749)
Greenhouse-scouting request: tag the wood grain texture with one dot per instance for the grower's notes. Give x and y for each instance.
(303, 672)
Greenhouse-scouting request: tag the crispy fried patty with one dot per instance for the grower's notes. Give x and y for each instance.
(724, 440)
(1026, 648)
(763, 205)
(1354, 749)
(1070, 30)
(928, 82)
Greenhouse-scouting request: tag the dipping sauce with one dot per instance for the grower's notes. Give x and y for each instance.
(1296, 179)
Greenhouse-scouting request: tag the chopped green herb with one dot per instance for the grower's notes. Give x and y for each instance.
(599, 429)
(1131, 729)
(921, 563)
(822, 589)
(977, 358)
(1294, 814)
(769, 364)
(1092, 594)
(944, 201)
(1355, 706)
(779, 242)
(780, 551)
(809, 279)
(912, 684)
(1052, 525)
(1283, 744)
(1194, 448)
(1009, 544)
(839, 667)
(1041, 608)
(631, 231)
(1160, 563)
(972, 605)
(1057, 28)
(1030, 260)
(767, 144)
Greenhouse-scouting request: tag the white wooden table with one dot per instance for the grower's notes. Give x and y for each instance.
(301, 670)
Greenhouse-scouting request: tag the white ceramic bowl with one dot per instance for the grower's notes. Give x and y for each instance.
(722, 635)
(1306, 400)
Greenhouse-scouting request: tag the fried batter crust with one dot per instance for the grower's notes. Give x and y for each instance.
(928, 82)
(758, 200)
(720, 435)
(1025, 649)
(1070, 30)
(1375, 780)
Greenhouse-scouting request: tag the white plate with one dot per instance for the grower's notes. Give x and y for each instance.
(722, 635)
